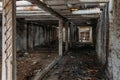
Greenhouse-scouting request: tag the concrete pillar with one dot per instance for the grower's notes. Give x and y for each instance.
(40, 35)
(60, 37)
(25, 37)
(66, 36)
(31, 36)
(46, 34)
(52, 34)
(90, 34)
(70, 35)
(49, 34)
(9, 40)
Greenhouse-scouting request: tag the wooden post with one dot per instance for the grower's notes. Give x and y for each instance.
(66, 36)
(60, 37)
(8, 40)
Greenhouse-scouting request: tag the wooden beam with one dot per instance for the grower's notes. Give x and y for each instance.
(47, 8)
(40, 74)
(9, 40)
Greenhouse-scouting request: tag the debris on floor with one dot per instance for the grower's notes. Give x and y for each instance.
(33, 62)
(78, 64)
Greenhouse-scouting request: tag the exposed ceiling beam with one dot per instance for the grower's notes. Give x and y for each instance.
(36, 17)
(39, 18)
(20, 3)
(94, 1)
(47, 8)
(26, 8)
(33, 14)
(30, 12)
(60, 2)
(88, 11)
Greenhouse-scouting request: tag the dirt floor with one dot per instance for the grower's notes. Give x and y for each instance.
(80, 63)
(29, 64)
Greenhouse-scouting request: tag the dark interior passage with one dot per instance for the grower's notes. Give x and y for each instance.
(59, 40)
(80, 63)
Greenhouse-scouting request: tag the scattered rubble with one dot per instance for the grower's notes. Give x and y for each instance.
(79, 64)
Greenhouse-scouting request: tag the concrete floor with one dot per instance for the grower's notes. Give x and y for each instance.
(80, 63)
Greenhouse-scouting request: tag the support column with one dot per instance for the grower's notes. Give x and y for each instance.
(49, 34)
(40, 34)
(66, 36)
(60, 37)
(70, 35)
(9, 40)
(25, 37)
(54, 34)
(31, 36)
(45, 34)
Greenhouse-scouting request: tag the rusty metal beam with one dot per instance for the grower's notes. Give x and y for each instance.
(47, 8)
(8, 40)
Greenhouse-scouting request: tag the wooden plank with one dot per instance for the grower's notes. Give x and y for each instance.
(8, 40)
(41, 74)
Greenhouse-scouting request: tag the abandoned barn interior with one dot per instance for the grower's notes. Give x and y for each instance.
(59, 40)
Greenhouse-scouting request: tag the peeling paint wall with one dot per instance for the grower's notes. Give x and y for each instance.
(37, 35)
(101, 42)
(0, 40)
(114, 45)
